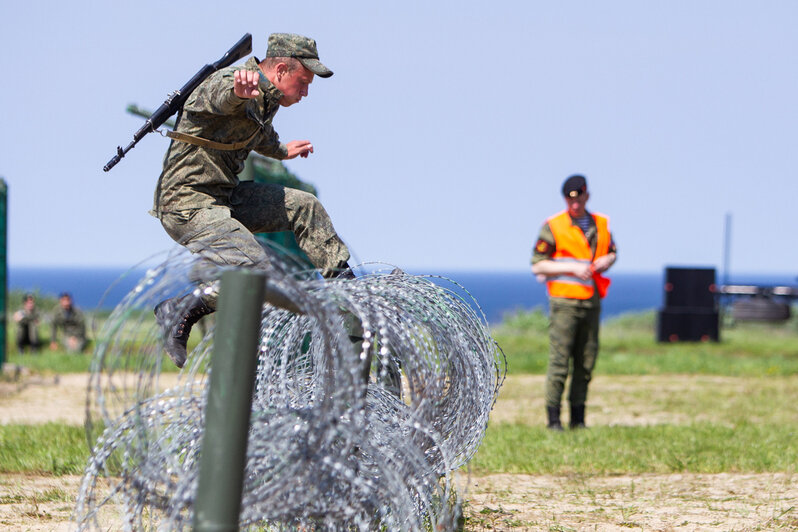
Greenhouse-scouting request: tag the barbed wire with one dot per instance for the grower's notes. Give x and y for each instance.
(365, 408)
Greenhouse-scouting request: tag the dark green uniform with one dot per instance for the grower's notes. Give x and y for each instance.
(573, 330)
(72, 324)
(200, 201)
(27, 329)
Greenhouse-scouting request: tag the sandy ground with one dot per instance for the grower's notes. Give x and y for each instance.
(640, 502)
(43, 504)
(739, 502)
(41, 399)
(678, 502)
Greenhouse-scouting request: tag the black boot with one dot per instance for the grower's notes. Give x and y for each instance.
(345, 273)
(577, 417)
(176, 316)
(553, 413)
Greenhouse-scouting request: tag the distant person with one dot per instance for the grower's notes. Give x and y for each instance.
(574, 248)
(69, 320)
(27, 320)
(199, 199)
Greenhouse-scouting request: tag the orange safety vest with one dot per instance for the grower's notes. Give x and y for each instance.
(572, 245)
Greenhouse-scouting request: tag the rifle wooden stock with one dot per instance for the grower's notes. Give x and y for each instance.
(176, 99)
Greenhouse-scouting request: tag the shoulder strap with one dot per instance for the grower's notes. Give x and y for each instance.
(205, 143)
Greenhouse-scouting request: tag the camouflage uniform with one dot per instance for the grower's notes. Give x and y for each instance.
(203, 206)
(573, 330)
(200, 201)
(27, 329)
(71, 322)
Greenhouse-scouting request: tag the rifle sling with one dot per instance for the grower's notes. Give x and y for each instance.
(205, 143)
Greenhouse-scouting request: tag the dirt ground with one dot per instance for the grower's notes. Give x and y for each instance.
(640, 502)
(678, 502)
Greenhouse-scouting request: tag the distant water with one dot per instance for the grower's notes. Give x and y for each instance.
(496, 293)
(91, 288)
(500, 293)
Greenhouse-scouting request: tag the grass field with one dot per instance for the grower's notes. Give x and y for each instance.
(693, 409)
(628, 348)
(685, 436)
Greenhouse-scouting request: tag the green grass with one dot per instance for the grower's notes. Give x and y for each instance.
(50, 495)
(47, 362)
(51, 448)
(628, 347)
(695, 448)
(133, 335)
(664, 424)
(746, 421)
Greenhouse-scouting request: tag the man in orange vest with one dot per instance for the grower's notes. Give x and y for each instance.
(574, 249)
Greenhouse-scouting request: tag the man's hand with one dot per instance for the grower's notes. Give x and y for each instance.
(603, 263)
(302, 148)
(582, 271)
(551, 268)
(246, 84)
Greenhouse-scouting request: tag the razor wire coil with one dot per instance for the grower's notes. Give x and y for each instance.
(326, 449)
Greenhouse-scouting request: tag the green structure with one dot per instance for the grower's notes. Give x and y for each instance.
(3, 269)
(227, 412)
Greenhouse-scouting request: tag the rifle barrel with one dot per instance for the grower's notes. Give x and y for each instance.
(176, 99)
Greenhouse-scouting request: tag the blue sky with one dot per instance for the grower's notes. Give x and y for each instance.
(445, 134)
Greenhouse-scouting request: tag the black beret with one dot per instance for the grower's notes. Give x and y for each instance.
(574, 186)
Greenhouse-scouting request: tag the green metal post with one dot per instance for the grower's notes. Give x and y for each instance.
(3, 270)
(227, 413)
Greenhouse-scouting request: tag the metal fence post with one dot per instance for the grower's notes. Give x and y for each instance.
(3, 270)
(227, 413)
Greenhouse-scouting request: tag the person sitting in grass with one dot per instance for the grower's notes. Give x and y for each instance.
(27, 320)
(68, 319)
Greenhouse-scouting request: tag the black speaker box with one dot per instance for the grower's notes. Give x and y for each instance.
(690, 288)
(687, 325)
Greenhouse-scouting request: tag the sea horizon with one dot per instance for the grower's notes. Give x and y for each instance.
(496, 293)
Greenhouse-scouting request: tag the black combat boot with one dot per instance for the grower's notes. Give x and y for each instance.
(577, 417)
(176, 316)
(345, 272)
(553, 413)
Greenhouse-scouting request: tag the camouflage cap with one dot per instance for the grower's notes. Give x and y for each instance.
(299, 47)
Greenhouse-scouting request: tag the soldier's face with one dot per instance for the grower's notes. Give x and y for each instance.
(576, 205)
(294, 85)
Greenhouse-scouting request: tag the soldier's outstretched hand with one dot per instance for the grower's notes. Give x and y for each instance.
(302, 148)
(246, 84)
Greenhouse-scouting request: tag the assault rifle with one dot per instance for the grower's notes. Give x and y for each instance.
(176, 99)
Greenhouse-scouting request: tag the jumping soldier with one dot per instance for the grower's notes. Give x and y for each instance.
(199, 199)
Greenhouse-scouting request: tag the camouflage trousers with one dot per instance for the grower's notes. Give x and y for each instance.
(573, 340)
(28, 336)
(224, 235)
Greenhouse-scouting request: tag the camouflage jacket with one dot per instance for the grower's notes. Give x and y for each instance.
(27, 318)
(70, 321)
(194, 177)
